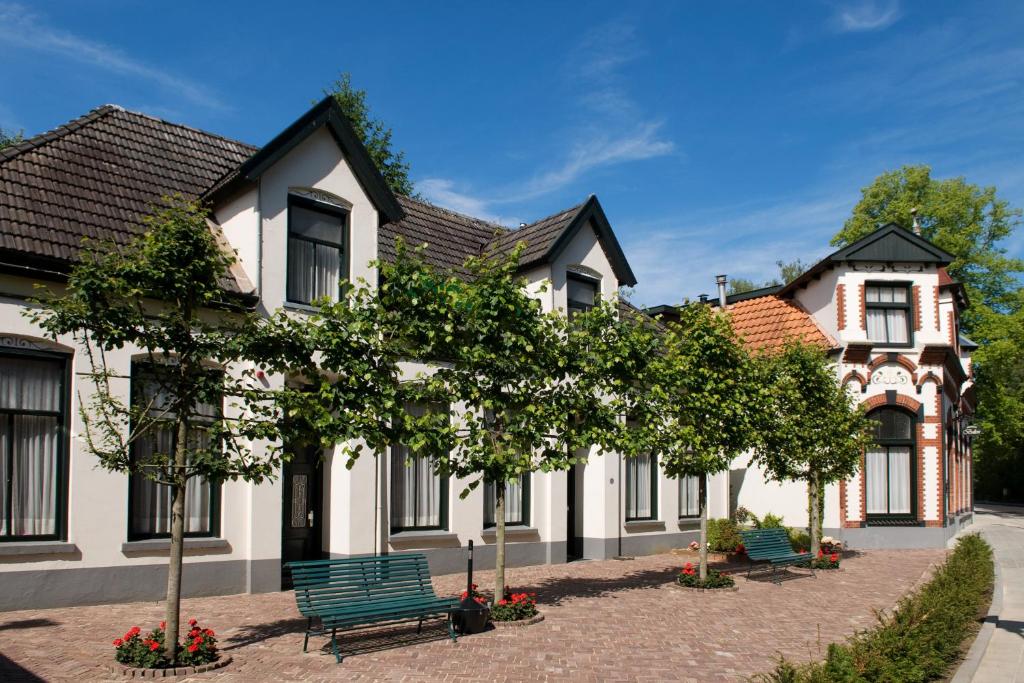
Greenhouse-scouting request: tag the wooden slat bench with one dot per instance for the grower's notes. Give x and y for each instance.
(771, 546)
(365, 591)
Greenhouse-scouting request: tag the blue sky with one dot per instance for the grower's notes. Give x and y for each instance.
(718, 139)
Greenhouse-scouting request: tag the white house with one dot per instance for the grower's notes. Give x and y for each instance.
(302, 211)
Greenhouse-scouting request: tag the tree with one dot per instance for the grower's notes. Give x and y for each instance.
(163, 294)
(507, 365)
(788, 271)
(701, 400)
(812, 429)
(375, 135)
(8, 138)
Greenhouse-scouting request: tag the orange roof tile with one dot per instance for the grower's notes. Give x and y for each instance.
(768, 322)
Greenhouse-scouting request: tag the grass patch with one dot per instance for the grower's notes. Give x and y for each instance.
(920, 639)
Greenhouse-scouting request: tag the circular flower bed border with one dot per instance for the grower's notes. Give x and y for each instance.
(535, 619)
(171, 672)
(697, 589)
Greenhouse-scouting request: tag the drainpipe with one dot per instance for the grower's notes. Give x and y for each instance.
(722, 297)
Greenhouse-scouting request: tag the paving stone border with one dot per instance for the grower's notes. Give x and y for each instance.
(536, 619)
(172, 672)
(695, 589)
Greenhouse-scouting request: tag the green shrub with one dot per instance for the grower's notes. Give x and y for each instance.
(769, 521)
(742, 515)
(799, 539)
(723, 535)
(921, 638)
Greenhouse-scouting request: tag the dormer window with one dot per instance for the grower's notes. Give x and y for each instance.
(887, 308)
(316, 250)
(581, 293)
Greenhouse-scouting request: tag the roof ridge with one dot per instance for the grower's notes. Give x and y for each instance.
(11, 151)
(570, 209)
(445, 209)
(144, 115)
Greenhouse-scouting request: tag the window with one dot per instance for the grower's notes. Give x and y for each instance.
(689, 497)
(889, 468)
(419, 496)
(316, 251)
(581, 294)
(33, 423)
(150, 502)
(888, 314)
(517, 502)
(641, 487)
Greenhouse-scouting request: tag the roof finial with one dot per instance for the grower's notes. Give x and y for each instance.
(916, 227)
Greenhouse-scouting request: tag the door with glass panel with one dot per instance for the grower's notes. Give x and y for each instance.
(302, 497)
(889, 466)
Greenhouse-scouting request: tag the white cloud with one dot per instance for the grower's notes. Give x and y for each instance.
(20, 28)
(867, 16)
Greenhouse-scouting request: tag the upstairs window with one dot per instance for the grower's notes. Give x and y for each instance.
(888, 314)
(581, 294)
(316, 251)
(33, 419)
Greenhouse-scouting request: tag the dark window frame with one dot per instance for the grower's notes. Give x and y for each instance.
(881, 305)
(525, 484)
(442, 513)
(630, 486)
(573, 308)
(63, 445)
(343, 247)
(888, 443)
(695, 515)
(215, 487)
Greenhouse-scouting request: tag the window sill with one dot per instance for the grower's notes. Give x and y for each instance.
(431, 538)
(163, 545)
(18, 548)
(510, 531)
(296, 306)
(645, 525)
(689, 522)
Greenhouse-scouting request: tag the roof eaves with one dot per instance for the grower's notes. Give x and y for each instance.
(591, 210)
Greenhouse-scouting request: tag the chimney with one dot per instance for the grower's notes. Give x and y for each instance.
(721, 280)
(916, 227)
(703, 298)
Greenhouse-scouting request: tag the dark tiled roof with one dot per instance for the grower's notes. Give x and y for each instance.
(98, 175)
(539, 236)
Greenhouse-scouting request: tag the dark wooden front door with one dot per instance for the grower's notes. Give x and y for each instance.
(300, 524)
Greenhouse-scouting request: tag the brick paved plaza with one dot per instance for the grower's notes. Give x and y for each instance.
(610, 620)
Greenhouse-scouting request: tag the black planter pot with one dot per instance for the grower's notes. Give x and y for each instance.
(470, 617)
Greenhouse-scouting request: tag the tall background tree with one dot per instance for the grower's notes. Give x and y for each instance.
(811, 429)
(376, 136)
(788, 270)
(8, 137)
(974, 224)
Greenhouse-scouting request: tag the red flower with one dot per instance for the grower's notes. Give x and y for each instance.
(198, 640)
(503, 602)
(834, 557)
(154, 646)
(191, 622)
(193, 648)
(473, 586)
(163, 625)
(465, 594)
(208, 631)
(133, 631)
(741, 548)
(821, 553)
(118, 642)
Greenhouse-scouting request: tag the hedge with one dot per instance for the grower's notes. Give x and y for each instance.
(921, 639)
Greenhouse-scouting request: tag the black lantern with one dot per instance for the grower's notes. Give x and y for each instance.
(470, 616)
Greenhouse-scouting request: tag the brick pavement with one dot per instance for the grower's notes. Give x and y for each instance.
(609, 620)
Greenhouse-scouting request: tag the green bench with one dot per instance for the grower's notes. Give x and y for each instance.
(772, 546)
(365, 591)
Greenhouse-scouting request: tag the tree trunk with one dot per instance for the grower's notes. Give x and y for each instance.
(173, 610)
(499, 527)
(814, 491)
(702, 496)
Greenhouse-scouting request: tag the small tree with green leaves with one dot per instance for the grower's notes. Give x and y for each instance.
(702, 395)
(8, 138)
(812, 429)
(375, 135)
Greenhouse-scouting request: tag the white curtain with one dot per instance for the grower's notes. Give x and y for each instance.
(638, 487)
(328, 261)
(899, 480)
(514, 513)
(887, 325)
(29, 445)
(415, 488)
(151, 502)
(313, 270)
(689, 492)
(876, 325)
(876, 464)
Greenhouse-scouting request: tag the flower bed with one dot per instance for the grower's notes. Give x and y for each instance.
(148, 653)
(515, 607)
(825, 561)
(689, 577)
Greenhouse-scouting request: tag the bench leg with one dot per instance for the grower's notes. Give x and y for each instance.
(451, 629)
(334, 645)
(419, 627)
(305, 641)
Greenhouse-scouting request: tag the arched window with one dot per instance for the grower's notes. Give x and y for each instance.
(889, 465)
